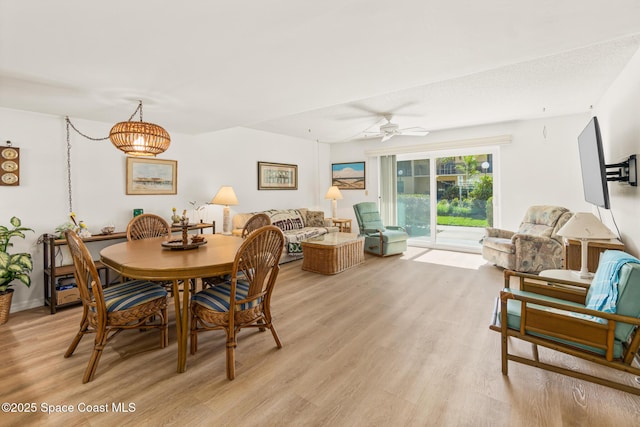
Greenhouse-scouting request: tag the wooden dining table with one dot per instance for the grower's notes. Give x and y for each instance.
(148, 259)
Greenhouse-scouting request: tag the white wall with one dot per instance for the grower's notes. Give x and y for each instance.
(619, 118)
(205, 162)
(230, 158)
(533, 169)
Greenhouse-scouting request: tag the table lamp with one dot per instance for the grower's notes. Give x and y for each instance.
(334, 194)
(225, 196)
(584, 226)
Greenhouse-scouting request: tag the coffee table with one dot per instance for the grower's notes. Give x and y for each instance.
(332, 253)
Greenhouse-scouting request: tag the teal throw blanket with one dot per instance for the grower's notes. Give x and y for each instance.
(603, 292)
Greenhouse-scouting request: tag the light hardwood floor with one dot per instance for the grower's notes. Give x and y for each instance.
(399, 341)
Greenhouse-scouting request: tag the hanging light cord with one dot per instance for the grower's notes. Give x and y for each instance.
(71, 126)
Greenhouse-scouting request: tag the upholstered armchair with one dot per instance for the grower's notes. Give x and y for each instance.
(536, 245)
(378, 239)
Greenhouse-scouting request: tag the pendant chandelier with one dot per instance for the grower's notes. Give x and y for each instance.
(139, 138)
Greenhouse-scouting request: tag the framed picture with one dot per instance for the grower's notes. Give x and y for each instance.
(277, 176)
(348, 176)
(152, 176)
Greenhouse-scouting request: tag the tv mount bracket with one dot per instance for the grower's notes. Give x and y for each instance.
(626, 171)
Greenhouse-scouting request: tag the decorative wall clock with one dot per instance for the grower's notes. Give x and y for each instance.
(9, 165)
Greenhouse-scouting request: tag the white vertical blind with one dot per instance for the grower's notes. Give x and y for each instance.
(388, 189)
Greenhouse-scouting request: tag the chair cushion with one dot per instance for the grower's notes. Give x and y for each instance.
(390, 236)
(543, 215)
(514, 308)
(130, 294)
(540, 230)
(368, 216)
(217, 297)
(628, 299)
(544, 221)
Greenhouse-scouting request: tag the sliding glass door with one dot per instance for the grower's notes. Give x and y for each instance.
(414, 197)
(442, 201)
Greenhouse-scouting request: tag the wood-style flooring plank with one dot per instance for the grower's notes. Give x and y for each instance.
(398, 341)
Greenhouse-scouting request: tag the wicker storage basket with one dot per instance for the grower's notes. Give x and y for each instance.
(5, 306)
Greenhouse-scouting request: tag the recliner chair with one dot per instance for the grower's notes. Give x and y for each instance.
(378, 239)
(536, 245)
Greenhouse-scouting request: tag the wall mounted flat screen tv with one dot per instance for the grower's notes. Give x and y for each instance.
(594, 170)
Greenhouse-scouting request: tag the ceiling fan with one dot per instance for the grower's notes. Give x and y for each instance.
(389, 130)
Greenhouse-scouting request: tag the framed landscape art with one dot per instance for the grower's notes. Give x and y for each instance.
(348, 176)
(152, 176)
(277, 176)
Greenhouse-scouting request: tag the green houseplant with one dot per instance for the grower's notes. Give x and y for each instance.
(12, 266)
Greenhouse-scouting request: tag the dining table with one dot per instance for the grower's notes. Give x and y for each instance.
(149, 259)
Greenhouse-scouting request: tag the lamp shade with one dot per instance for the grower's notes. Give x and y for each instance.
(139, 138)
(333, 193)
(585, 226)
(225, 196)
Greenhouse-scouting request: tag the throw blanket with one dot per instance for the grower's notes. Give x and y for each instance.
(603, 292)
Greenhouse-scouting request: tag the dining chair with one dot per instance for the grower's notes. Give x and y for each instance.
(255, 222)
(136, 304)
(244, 301)
(146, 226)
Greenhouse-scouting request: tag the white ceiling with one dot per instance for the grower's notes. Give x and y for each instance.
(319, 70)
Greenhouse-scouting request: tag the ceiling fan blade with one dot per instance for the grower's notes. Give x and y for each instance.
(370, 111)
(387, 137)
(414, 131)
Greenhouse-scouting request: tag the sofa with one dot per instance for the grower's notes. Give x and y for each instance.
(296, 224)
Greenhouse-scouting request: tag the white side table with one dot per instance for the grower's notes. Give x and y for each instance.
(565, 275)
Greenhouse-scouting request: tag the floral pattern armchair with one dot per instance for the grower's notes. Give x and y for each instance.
(536, 245)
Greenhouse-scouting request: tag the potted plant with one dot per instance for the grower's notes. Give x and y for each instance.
(12, 266)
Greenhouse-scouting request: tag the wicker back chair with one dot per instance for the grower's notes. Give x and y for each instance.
(147, 225)
(136, 304)
(244, 301)
(255, 222)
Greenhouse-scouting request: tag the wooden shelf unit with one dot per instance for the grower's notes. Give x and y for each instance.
(573, 248)
(52, 272)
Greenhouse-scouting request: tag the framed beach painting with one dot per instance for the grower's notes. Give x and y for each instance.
(277, 176)
(348, 176)
(152, 176)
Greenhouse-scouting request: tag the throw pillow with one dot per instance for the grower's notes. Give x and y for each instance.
(315, 219)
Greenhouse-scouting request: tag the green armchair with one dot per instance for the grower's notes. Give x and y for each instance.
(378, 239)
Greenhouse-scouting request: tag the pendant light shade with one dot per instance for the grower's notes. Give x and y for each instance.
(139, 138)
